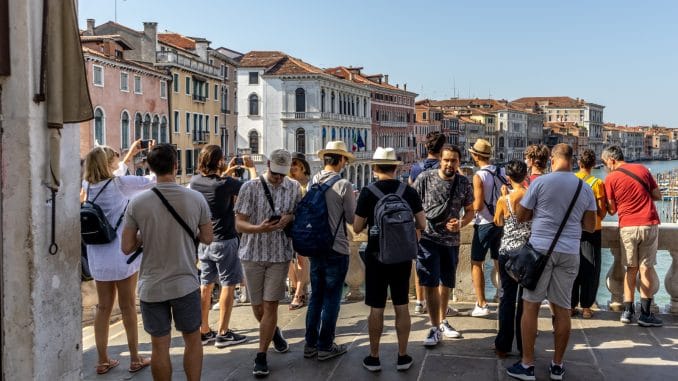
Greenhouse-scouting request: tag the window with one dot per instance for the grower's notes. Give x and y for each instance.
(224, 99)
(155, 133)
(216, 125)
(300, 135)
(189, 162)
(207, 124)
(254, 142)
(137, 84)
(199, 90)
(423, 116)
(332, 102)
(175, 83)
(176, 122)
(322, 100)
(178, 162)
(163, 89)
(207, 90)
(222, 70)
(99, 135)
(124, 130)
(98, 75)
(124, 82)
(195, 123)
(146, 127)
(300, 100)
(254, 78)
(196, 155)
(225, 72)
(137, 126)
(188, 85)
(216, 92)
(164, 136)
(254, 104)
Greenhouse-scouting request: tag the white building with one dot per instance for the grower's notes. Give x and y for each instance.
(284, 102)
(511, 134)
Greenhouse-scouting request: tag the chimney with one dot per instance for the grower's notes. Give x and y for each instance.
(149, 42)
(90, 27)
(397, 86)
(386, 78)
(405, 86)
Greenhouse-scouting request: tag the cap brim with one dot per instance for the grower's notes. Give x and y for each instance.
(280, 168)
(348, 155)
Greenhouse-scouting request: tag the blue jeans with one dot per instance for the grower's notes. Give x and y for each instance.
(327, 284)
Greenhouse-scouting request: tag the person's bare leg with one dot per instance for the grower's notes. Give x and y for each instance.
(433, 304)
(206, 306)
(418, 290)
(161, 366)
(192, 355)
(102, 317)
(630, 283)
(127, 303)
(225, 307)
(375, 326)
(528, 327)
(267, 324)
(478, 282)
(444, 295)
(647, 274)
(561, 334)
(402, 325)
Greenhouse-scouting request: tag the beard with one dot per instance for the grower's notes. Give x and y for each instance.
(449, 172)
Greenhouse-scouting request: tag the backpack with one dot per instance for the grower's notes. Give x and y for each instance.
(423, 168)
(94, 226)
(495, 190)
(394, 224)
(311, 232)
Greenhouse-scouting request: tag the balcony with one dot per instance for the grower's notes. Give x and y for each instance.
(200, 137)
(199, 98)
(301, 115)
(186, 63)
(346, 118)
(386, 123)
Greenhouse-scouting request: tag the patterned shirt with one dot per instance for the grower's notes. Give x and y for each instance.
(435, 191)
(516, 233)
(272, 246)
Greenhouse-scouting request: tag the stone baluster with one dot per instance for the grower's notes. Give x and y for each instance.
(615, 279)
(671, 282)
(356, 268)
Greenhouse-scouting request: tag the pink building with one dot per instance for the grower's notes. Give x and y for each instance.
(129, 98)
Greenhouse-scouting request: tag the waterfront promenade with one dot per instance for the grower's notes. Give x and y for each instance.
(600, 349)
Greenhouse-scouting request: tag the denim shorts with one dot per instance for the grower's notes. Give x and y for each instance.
(220, 258)
(485, 237)
(437, 264)
(185, 311)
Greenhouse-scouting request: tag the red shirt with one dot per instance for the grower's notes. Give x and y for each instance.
(635, 206)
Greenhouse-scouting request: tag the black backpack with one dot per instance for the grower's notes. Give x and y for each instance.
(496, 190)
(394, 226)
(94, 226)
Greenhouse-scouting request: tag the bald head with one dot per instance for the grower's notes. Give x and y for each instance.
(561, 157)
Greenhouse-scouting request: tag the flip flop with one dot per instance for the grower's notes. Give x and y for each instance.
(104, 367)
(139, 365)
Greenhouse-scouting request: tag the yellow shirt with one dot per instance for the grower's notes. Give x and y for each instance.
(598, 188)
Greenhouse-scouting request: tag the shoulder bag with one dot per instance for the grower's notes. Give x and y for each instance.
(635, 177)
(526, 264)
(288, 229)
(177, 217)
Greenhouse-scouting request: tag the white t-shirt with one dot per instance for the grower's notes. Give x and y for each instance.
(491, 191)
(548, 197)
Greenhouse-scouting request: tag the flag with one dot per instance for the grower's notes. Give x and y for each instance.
(354, 146)
(360, 142)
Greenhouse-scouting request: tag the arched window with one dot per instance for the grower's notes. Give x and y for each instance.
(163, 130)
(322, 100)
(300, 135)
(124, 130)
(300, 97)
(324, 136)
(99, 132)
(254, 141)
(154, 129)
(254, 104)
(146, 128)
(137, 126)
(332, 98)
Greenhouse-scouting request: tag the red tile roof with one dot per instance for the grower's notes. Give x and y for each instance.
(263, 59)
(177, 40)
(559, 102)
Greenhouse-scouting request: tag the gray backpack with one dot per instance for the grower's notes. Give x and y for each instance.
(394, 224)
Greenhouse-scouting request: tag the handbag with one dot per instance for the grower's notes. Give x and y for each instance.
(435, 214)
(526, 264)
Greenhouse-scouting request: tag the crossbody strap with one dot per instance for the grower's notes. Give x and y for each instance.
(567, 216)
(176, 216)
(635, 177)
(268, 193)
(98, 193)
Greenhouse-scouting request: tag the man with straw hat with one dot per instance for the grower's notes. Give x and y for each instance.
(379, 277)
(328, 271)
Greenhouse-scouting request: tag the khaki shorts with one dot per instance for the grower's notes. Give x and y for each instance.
(639, 245)
(265, 280)
(556, 281)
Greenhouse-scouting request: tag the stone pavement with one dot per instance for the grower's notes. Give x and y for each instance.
(599, 349)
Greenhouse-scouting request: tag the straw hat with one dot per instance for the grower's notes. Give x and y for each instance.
(336, 147)
(385, 156)
(481, 148)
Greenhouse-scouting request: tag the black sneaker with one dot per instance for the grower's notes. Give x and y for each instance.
(518, 371)
(556, 371)
(229, 338)
(208, 337)
(279, 343)
(260, 365)
(310, 352)
(404, 362)
(334, 351)
(372, 363)
(649, 320)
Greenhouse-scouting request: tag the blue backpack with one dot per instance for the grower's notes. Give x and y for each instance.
(312, 235)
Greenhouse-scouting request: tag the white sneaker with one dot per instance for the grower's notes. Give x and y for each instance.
(449, 331)
(433, 338)
(479, 311)
(451, 311)
(215, 307)
(420, 308)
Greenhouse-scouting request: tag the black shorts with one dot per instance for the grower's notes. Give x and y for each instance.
(379, 277)
(185, 311)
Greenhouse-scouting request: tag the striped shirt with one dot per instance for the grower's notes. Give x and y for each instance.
(252, 202)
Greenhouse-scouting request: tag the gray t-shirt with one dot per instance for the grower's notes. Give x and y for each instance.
(340, 202)
(548, 197)
(168, 268)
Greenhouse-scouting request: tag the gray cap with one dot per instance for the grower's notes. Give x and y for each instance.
(280, 161)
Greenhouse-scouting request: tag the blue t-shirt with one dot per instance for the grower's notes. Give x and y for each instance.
(548, 197)
(417, 168)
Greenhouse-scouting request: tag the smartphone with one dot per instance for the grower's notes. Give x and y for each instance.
(144, 144)
(238, 160)
(274, 218)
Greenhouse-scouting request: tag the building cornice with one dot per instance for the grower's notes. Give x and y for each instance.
(130, 67)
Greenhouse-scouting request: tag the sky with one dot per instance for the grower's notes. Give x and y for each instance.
(618, 53)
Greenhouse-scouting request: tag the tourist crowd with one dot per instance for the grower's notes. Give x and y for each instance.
(221, 230)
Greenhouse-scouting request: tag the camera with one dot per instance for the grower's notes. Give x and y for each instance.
(144, 144)
(238, 160)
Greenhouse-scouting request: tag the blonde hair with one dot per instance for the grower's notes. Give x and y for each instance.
(98, 164)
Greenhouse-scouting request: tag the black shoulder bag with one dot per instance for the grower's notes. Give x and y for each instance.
(177, 217)
(288, 229)
(526, 264)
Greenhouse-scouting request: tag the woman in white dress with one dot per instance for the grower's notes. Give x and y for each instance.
(104, 176)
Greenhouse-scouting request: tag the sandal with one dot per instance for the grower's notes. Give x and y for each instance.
(136, 366)
(104, 367)
(586, 313)
(298, 302)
